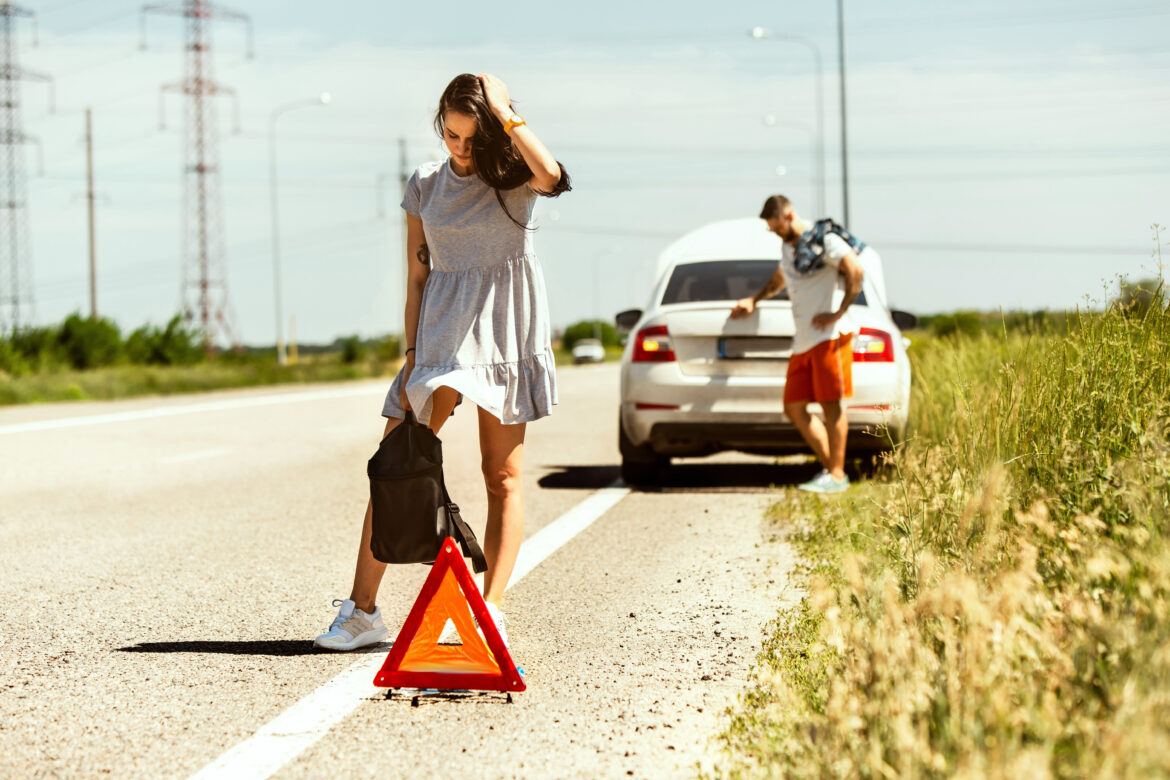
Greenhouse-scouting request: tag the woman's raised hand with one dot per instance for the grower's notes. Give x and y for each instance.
(496, 94)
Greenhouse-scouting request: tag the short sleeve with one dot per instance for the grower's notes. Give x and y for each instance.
(412, 198)
(835, 249)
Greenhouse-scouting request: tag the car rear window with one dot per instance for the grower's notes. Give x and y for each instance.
(724, 280)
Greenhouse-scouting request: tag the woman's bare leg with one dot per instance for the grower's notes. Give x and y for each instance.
(368, 573)
(502, 448)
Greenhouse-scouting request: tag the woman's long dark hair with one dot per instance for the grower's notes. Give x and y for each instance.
(497, 162)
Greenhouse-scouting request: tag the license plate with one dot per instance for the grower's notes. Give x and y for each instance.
(755, 348)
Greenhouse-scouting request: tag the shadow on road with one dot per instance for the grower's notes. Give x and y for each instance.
(285, 647)
(688, 477)
(579, 477)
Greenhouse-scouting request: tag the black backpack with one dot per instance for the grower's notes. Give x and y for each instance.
(413, 513)
(809, 252)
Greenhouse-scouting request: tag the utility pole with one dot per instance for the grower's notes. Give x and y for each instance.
(380, 187)
(89, 197)
(277, 286)
(844, 123)
(16, 287)
(204, 287)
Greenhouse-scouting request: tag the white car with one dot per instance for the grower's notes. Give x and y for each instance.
(696, 382)
(588, 351)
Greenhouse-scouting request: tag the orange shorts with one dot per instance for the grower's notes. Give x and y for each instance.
(823, 373)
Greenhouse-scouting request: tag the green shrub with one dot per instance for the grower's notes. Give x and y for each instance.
(1137, 297)
(89, 343)
(388, 349)
(352, 349)
(11, 361)
(589, 329)
(174, 345)
(37, 349)
(966, 323)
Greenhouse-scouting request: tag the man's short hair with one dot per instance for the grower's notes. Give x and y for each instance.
(775, 206)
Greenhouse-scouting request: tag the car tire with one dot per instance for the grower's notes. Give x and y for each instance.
(640, 464)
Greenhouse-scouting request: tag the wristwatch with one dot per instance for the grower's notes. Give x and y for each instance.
(513, 121)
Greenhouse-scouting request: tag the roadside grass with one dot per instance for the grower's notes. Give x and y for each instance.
(997, 603)
(128, 381)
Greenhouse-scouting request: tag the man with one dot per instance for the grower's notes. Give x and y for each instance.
(821, 366)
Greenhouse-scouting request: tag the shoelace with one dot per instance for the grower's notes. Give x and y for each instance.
(337, 621)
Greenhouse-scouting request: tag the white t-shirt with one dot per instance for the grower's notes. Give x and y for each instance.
(816, 292)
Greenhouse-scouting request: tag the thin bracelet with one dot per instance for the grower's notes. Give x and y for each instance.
(408, 350)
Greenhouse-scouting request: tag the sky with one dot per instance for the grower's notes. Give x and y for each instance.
(1001, 155)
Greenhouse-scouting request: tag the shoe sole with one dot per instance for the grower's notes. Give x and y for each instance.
(361, 640)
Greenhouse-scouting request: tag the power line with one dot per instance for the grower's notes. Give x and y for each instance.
(54, 8)
(883, 244)
(97, 23)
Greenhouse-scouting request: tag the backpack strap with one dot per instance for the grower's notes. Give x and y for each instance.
(828, 225)
(467, 539)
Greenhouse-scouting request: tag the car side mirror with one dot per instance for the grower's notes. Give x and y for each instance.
(904, 319)
(627, 319)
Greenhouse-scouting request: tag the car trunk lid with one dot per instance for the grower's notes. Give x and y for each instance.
(707, 342)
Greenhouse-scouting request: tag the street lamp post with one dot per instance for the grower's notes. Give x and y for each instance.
(321, 100)
(760, 33)
(844, 145)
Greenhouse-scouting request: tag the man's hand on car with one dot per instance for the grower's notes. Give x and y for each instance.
(743, 308)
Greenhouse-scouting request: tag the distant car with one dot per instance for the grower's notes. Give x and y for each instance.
(695, 382)
(588, 351)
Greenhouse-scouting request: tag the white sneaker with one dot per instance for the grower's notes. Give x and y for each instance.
(352, 628)
(450, 634)
(500, 620)
(825, 483)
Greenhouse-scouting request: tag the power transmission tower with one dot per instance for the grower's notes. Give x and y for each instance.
(16, 286)
(204, 287)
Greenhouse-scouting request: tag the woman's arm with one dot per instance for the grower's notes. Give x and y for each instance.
(418, 269)
(546, 171)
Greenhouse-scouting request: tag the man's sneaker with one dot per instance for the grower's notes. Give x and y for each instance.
(352, 628)
(826, 483)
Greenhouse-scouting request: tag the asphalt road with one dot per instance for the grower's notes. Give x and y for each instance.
(164, 564)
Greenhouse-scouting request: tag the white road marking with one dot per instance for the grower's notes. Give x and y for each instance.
(368, 388)
(293, 731)
(190, 456)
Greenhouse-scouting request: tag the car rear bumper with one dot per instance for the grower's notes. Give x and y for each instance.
(689, 439)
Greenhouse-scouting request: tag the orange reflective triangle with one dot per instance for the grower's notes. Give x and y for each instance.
(416, 660)
(424, 654)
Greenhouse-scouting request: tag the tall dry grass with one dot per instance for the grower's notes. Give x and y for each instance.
(998, 607)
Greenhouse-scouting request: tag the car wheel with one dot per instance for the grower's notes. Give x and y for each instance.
(640, 464)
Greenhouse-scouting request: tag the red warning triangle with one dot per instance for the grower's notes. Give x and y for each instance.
(417, 660)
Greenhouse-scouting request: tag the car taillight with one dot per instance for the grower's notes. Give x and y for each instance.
(873, 346)
(652, 345)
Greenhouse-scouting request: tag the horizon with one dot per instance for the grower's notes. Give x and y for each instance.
(1000, 158)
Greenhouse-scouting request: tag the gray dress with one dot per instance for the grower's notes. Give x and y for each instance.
(483, 328)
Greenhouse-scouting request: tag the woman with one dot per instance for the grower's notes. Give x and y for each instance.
(477, 321)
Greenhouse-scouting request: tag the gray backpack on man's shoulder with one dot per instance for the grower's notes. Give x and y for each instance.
(809, 252)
